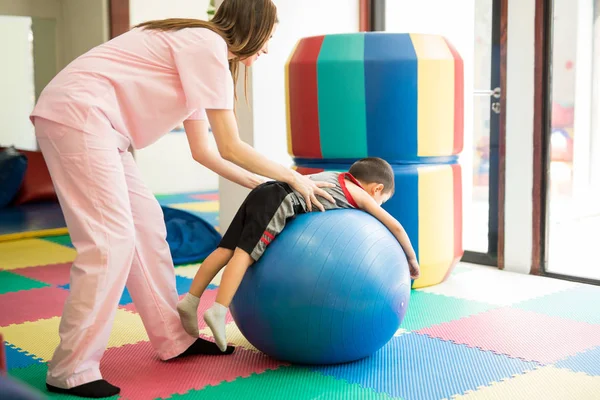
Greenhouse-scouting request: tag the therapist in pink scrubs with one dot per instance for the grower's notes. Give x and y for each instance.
(131, 91)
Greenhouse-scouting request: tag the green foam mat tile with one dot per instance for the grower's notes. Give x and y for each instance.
(285, 383)
(64, 240)
(579, 304)
(428, 309)
(35, 377)
(10, 282)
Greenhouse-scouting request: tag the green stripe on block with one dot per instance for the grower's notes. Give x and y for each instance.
(341, 94)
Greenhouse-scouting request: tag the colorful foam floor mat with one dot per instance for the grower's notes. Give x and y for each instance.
(483, 334)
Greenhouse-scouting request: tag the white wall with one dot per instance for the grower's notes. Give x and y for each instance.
(264, 125)
(167, 166)
(84, 26)
(17, 93)
(519, 136)
(147, 10)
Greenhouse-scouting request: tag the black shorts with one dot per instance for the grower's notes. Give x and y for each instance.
(261, 218)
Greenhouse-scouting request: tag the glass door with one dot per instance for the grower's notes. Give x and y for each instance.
(573, 197)
(481, 207)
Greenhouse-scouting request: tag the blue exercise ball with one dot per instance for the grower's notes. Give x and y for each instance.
(333, 287)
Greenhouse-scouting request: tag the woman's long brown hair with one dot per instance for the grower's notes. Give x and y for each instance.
(246, 26)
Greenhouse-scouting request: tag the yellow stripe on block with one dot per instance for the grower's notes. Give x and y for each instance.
(287, 101)
(435, 95)
(436, 223)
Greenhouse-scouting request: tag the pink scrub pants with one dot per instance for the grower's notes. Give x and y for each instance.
(117, 227)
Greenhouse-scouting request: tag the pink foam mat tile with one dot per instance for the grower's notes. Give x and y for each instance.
(54, 274)
(519, 334)
(31, 305)
(142, 376)
(206, 196)
(206, 301)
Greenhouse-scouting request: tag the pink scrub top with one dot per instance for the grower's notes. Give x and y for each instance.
(146, 82)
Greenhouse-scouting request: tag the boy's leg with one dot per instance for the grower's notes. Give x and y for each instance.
(266, 214)
(151, 281)
(188, 306)
(232, 277)
(209, 269)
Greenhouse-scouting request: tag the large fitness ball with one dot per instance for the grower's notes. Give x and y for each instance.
(333, 287)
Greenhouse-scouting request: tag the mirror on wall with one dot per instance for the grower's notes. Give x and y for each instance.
(29, 62)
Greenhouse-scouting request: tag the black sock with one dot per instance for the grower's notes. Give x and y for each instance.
(95, 390)
(204, 347)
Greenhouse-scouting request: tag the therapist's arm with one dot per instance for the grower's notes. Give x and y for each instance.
(232, 148)
(200, 144)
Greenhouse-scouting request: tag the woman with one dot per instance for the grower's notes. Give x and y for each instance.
(130, 91)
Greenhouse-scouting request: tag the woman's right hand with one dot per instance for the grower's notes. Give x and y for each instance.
(310, 189)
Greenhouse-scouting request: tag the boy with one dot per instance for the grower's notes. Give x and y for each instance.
(263, 215)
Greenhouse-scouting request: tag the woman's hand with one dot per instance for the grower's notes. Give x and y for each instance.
(310, 189)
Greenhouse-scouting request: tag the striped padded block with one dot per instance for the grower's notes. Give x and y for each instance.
(428, 204)
(389, 95)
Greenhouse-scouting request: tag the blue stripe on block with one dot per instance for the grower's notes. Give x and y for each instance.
(391, 82)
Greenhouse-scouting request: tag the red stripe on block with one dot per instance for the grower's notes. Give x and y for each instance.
(304, 107)
(308, 171)
(265, 241)
(268, 234)
(459, 100)
(458, 220)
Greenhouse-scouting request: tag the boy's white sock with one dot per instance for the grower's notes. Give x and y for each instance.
(188, 312)
(215, 319)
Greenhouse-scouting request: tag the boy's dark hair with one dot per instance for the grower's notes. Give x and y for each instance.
(374, 170)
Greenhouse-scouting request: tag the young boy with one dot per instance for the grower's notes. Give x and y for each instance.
(263, 215)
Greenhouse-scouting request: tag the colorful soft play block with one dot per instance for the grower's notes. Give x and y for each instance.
(397, 96)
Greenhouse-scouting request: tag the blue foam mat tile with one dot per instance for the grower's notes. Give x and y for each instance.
(417, 367)
(17, 358)
(167, 199)
(587, 362)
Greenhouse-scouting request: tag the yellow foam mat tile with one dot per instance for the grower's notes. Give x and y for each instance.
(40, 338)
(189, 271)
(548, 383)
(33, 252)
(234, 336)
(204, 206)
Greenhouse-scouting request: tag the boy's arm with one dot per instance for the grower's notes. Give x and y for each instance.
(368, 204)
